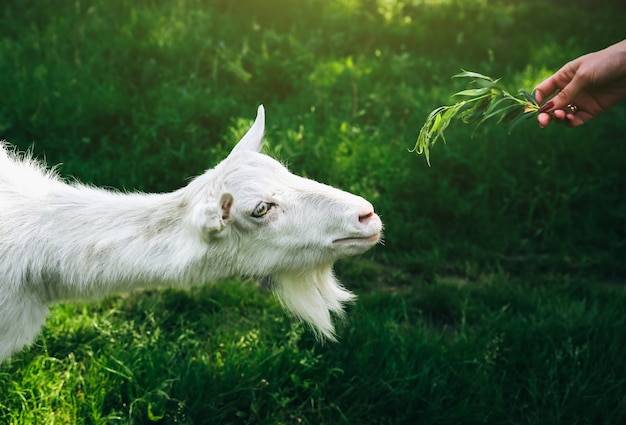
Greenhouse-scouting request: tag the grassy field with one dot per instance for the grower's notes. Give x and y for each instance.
(494, 350)
(498, 297)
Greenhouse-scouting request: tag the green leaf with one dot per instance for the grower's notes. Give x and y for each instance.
(443, 126)
(435, 112)
(487, 83)
(464, 105)
(471, 115)
(519, 119)
(471, 74)
(451, 112)
(511, 115)
(156, 411)
(497, 105)
(473, 92)
(427, 156)
(436, 124)
(493, 111)
(483, 100)
(528, 96)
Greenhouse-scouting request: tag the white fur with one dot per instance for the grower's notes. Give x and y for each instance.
(61, 241)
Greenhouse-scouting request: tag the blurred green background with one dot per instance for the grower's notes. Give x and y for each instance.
(144, 94)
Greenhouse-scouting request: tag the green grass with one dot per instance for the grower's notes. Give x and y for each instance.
(491, 350)
(497, 297)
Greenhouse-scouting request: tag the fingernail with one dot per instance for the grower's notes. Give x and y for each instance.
(546, 106)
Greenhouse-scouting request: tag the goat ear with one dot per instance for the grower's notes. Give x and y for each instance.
(212, 218)
(225, 203)
(253, 139)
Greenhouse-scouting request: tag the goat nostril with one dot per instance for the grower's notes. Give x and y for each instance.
(363, 218)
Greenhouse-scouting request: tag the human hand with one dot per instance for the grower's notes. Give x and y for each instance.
(586, 87)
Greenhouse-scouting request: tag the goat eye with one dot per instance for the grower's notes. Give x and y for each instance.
(261, 209)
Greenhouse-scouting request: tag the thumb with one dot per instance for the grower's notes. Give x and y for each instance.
(568, 93)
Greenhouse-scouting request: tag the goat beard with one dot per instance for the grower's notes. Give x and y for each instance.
(313, 296)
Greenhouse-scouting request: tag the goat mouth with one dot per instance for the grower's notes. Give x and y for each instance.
(367, 240)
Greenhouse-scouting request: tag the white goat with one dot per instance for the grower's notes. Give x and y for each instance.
(247, 216)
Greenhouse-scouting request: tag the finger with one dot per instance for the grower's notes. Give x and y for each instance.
(559, 114)
(545, 89)
(569, 93)
(560, 83)
(544, 119)
(577, 119)
(562, 99)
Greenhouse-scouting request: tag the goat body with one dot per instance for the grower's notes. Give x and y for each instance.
(248, 216)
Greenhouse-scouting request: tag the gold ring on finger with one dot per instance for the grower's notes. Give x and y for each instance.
(572, 108)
